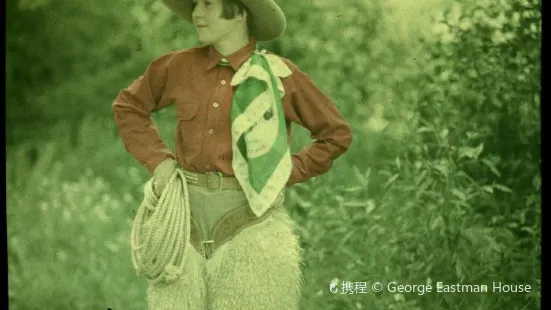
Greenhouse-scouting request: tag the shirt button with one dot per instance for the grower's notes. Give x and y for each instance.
(223, 82)
(215, 104)
(211, 131)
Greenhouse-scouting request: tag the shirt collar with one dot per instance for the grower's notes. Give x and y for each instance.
(235, 60)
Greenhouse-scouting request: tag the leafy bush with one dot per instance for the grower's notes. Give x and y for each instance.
(476, 142)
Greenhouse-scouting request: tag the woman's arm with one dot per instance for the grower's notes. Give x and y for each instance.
(132, 111)
(312, 109)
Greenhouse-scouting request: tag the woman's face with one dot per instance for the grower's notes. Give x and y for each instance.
(207, 19)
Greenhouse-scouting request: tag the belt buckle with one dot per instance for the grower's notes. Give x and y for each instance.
(220, 179)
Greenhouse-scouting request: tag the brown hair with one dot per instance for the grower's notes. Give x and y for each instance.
(232, 7)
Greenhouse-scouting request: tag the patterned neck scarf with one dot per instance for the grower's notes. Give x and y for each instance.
(261, 156)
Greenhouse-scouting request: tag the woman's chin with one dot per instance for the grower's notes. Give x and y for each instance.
(204, 39)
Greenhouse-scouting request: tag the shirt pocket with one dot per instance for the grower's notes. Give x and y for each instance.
(189, 123)
(186, 111)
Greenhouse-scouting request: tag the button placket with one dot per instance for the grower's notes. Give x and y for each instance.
(214, 111)
(209, 123)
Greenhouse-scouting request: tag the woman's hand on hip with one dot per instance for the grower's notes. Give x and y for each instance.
(162, 174)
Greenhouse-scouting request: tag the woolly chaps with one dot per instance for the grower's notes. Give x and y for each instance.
(259, 269)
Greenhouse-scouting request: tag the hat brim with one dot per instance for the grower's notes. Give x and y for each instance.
(269, 21)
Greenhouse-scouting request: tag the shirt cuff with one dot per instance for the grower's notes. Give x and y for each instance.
(296, 175)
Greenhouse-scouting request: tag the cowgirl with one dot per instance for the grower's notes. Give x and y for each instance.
(234, 106)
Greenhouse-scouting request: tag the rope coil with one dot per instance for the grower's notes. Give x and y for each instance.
(161, 231)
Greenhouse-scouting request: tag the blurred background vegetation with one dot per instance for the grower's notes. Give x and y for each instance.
(442, 182)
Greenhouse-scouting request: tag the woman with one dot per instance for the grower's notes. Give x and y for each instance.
(234, 106)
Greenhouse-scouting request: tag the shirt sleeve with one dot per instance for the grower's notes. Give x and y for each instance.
(332, 134)
(132, 109)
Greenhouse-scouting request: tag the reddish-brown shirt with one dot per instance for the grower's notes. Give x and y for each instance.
(200, 88)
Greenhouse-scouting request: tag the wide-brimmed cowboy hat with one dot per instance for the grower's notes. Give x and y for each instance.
(268, 19)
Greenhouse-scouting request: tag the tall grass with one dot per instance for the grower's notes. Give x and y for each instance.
(69, 224)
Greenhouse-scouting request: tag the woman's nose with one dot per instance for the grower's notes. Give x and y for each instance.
(197, 11)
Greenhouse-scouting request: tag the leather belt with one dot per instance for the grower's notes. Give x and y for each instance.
(212, 180)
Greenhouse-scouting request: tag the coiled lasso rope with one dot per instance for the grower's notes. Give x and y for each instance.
(161, 231)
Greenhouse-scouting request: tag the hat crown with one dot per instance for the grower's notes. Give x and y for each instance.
(269, 21)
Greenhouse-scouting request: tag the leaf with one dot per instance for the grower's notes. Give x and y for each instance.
(424, 129)
(472, 135)
(420, 177)
(370, 206)
(442, 166)
(436, 221)
(367, 173)
(512, 225)
(488, 189)
(492, 243)
(529, 230)
(537, 182)
(423, 187)
(338, 198)
(502, 188)
(444, 133)
(474, 234)
(463, 204)
(359, 175)
(353, 189)
(470, 152)
(391, 180)
(492, 167)
(459, 269)
(458, 194)
(348, 235)
(465, 176)
(354, 203)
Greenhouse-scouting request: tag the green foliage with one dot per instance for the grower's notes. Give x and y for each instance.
(492, 97)
(332, 43)
(442, 182)
(56, 41)
(69, 224)
(474, 155)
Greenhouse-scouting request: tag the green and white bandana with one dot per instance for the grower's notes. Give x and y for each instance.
(261, 156)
